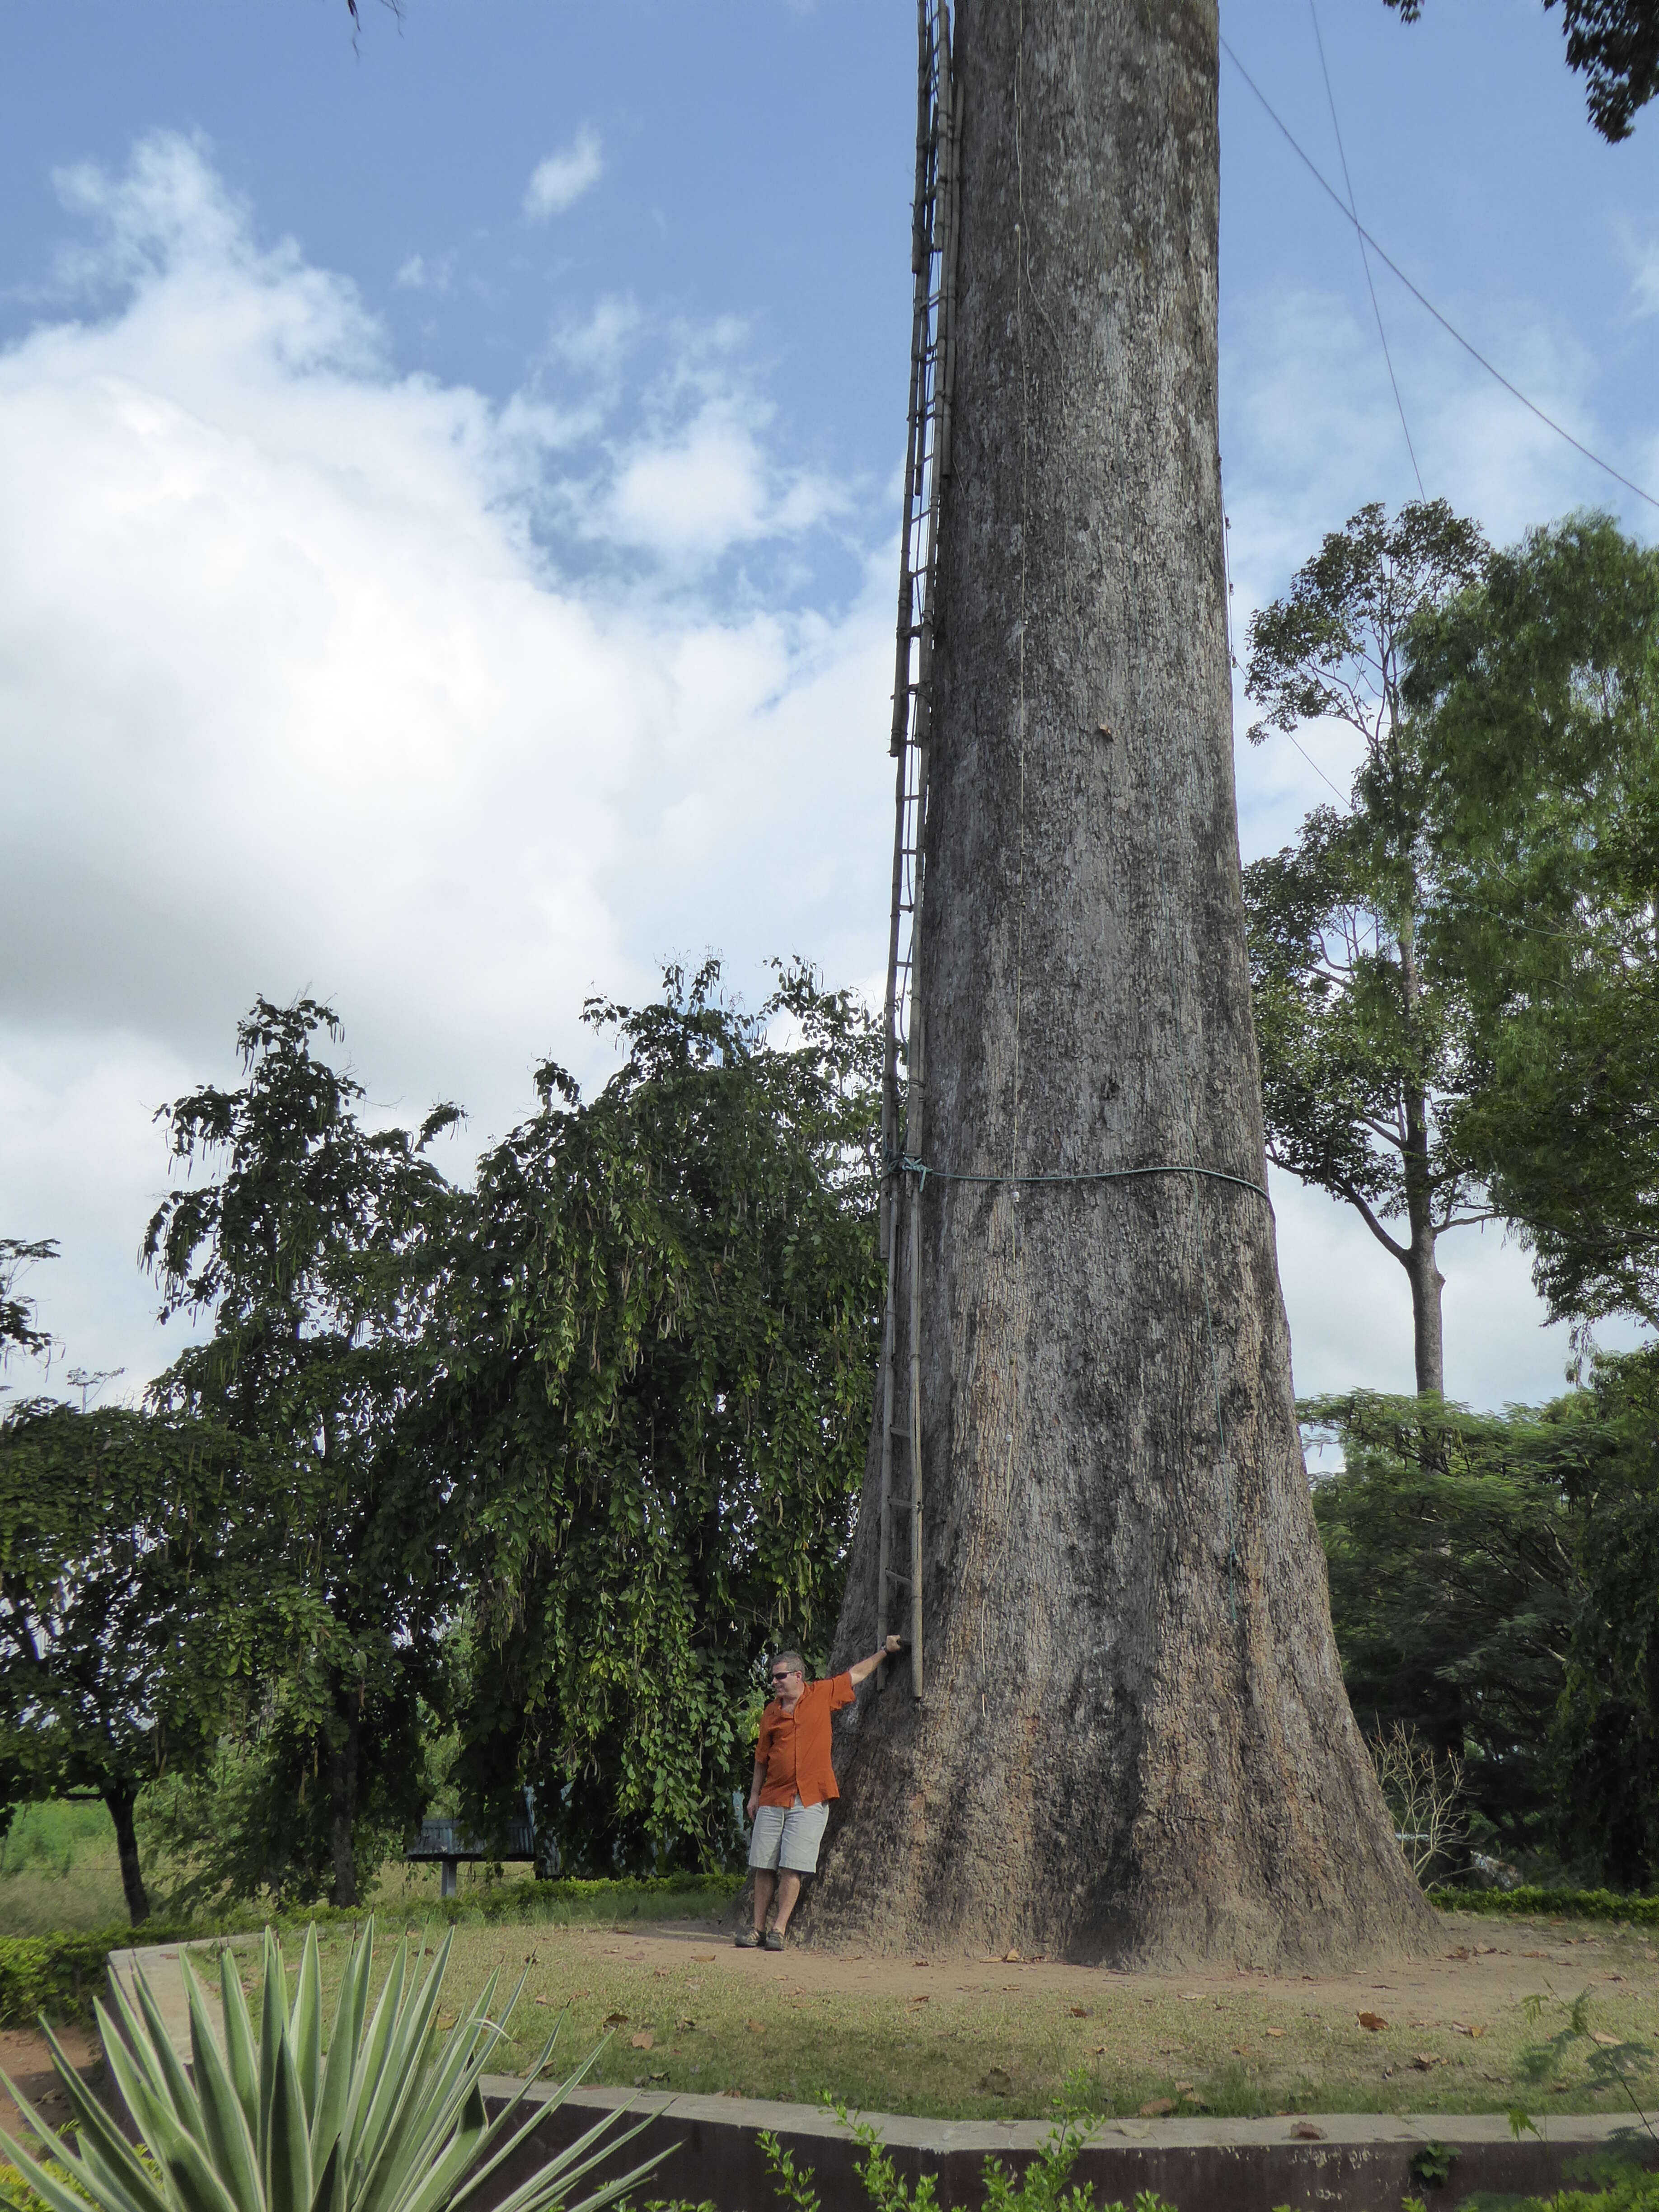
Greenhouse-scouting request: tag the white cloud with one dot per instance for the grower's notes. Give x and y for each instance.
(559, 182)
(315, 675)
(417, 274)
(296, 699)
(1639, 247)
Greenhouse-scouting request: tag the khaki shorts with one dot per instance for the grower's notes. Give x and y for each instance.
(788, 1837)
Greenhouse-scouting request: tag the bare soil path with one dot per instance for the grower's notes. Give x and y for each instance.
(963, 2038)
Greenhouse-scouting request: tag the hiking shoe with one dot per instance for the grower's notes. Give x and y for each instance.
(747, 1939)
(771, 1940)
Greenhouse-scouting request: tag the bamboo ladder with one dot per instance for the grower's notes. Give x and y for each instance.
(932, 260)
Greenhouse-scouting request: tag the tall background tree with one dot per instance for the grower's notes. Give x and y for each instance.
(1540, 692)
(659, 1337)
(1363, 1046)
(317, 1249)
(1133, 1740)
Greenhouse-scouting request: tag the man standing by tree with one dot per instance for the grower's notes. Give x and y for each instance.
(789, 1797)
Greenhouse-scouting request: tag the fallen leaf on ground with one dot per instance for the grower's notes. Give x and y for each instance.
(616, 2020)
(921, 1962)
(1154, 2107)
(1182, 2088)
(1273, 2031)
(1305, 2131)
(998, 2081)
(659, 2077)
(1534, 1954)
(1099, 2050)
(1196, 2103)
(1476, 2028)
(1009, 1955)
(923, 1999)
(1607, 2042)
(682, 2025)
(643, 2040)
(1373, 2021)
(1423, 2061)
(541, 2000)
(703, 1958)
(756, 2027)
(1083, 2012)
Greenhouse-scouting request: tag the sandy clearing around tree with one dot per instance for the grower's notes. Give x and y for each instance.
(979, 2038)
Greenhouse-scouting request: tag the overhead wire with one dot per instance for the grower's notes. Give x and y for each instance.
(1365, 257)
(1421, 297)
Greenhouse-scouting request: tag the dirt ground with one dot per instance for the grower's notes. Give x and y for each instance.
(962, 2038)
(26, 2060)
(676, 2006)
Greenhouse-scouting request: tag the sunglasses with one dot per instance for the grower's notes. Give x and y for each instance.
(781, 1674)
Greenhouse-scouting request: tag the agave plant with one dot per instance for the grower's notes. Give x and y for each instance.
(388, 2117)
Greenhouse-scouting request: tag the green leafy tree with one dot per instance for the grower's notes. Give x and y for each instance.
(1606, 1725)
(1540, 690)
(1453, 1540)
(661, 1338)
(18, 1329)
(1493, 1581)
(125, 1633)
(1362, 1047)
(318, 1249)
(1613, 44)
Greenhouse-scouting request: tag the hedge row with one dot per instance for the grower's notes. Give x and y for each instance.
(1561, 1904)
(60, 1975)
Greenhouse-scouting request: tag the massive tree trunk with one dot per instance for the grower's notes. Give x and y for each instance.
(1134, 1742)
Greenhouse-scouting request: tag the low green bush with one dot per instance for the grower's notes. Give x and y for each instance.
(1561, 1904)
(61, 1974)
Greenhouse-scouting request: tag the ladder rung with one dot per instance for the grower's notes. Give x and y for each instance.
(894, 1576)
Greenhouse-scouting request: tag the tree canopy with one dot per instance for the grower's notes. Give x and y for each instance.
(318, 1249)
(126, 1630)
(1539, 690)
(661, 1331)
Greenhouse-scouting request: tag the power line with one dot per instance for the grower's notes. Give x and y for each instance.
(1365, 257)
(1421, 298)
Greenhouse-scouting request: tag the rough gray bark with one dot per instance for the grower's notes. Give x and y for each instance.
(1134, 1742)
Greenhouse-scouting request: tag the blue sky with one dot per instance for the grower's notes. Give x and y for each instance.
(448, 523)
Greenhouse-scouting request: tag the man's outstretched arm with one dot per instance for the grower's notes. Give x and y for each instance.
(860, 1668)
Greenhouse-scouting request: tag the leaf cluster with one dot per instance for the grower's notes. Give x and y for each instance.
(1539, 690)
(661, 1332)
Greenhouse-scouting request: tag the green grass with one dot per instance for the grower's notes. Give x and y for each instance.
(58, 1870)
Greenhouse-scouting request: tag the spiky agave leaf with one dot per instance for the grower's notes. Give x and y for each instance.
(389, 2117)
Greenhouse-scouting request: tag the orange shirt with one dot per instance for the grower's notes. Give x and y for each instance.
(793, 1750)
